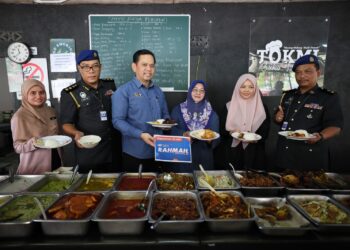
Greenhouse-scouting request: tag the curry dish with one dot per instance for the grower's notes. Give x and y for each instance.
(224, 206)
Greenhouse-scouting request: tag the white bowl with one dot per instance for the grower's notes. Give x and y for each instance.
(89, 141)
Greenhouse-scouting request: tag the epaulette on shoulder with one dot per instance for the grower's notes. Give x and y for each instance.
(328, 91)
(288, 91)
(109, 82)
(71, 87)
(107, 79)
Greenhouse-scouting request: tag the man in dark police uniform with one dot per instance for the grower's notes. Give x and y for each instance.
(86, 110)
(311, 108)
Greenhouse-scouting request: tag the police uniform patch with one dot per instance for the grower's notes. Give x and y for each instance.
(71, 87)
(82, 95)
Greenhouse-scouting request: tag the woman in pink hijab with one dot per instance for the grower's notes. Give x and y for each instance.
(34, 119)
(246, 113)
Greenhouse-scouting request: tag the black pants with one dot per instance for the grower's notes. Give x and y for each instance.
(131, 164)
(55, 159)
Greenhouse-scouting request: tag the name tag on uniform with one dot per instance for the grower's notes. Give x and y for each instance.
(284, 126)
(103, 115)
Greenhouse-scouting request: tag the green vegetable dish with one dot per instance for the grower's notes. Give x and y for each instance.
(54, 186)
(24, 208)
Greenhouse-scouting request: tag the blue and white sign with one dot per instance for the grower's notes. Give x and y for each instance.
(172, 148)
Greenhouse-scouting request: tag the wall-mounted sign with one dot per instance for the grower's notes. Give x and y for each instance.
(36, 69)
(62, 55)
(14, 75)
(277, 42)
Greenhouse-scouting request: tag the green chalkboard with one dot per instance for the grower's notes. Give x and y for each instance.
(117, 37)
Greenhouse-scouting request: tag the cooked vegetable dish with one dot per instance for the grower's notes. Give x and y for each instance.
(24, 208)
(324, 212)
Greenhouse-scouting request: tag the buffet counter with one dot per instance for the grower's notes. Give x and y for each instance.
(200, 240)
(208, 232)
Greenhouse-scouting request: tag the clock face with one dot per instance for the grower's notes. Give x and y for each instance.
(18, 52)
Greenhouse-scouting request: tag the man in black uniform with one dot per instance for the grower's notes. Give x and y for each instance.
(311, 108)
(86, 110)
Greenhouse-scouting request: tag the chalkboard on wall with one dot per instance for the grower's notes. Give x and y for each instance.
(117, 37)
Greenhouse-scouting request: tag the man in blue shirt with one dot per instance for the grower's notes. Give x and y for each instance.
(133, 105)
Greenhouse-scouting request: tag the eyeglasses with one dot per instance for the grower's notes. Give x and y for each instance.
(87, 68)
(198, 91)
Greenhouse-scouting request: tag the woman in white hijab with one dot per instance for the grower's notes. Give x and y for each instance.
(34, 119)
(246, 113)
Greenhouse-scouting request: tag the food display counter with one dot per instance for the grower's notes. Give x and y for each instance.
(204, 231)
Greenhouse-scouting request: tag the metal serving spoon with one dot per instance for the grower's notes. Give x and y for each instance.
(156, 223)
(168, 178)
(142, 205)
(41, 207)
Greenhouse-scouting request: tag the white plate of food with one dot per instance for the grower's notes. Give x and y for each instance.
(246, 136)
(204, 134)
(298, 135)
(52, 141)
(163, 123)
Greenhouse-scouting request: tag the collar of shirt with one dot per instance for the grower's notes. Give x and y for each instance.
(139, 84)
(88, 87)
(311, 91)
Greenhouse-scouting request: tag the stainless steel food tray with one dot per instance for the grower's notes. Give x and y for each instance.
(295, 226)
(260, 191)
(294, 199)
(5, 198)
(184, 174)
(235, 185)
(122, 226)
(53, 177)
(22, 228)
(3, 177)
(340, 198)
(228, 225)
(126, 174)
(21, 183)
(83, 179)
(177, 226)
(316, 189)
(343, 180)
(67, 227)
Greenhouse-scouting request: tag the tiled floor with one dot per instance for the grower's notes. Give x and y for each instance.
(7, 161)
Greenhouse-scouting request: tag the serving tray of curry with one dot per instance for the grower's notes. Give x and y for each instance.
(258, 183)
(71, 213)
(226, 211)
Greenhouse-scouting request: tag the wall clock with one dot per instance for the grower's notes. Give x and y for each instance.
(18, 52)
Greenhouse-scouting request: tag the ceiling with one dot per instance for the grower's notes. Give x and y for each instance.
(69, 2)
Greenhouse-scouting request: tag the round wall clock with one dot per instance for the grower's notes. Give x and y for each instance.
(18, 52)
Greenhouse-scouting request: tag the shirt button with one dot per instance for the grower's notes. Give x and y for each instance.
(310, 150)
(286, 147)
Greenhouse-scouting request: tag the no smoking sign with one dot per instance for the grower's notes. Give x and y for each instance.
(33, 71)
